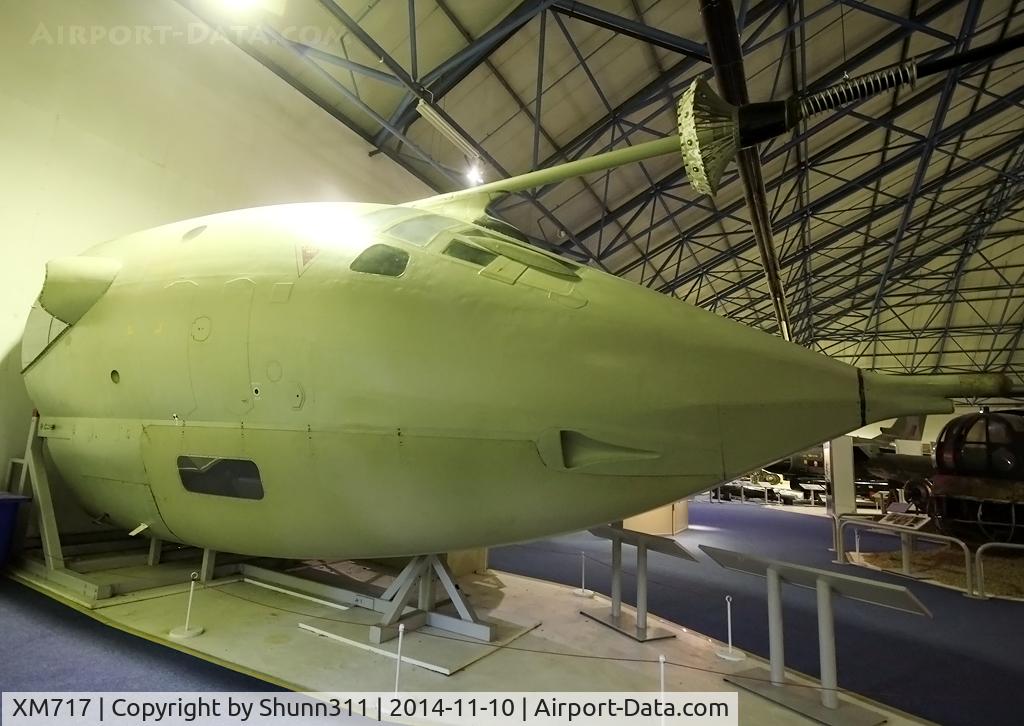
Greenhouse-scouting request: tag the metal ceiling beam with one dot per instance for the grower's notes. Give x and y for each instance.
(844, 301)
(631, 28)
(532, 115)
(345, 63)
(875, 214)
(797, 54)
(868, 54)
(963, 40)
(314, 97)
(414, 56)
(602, 201)
(649, 93)
(560, 153)
(363, 106)
(1011, 348)
(727, 60)
(423, 95)
(993, 208)
(954, 155)
(845, 333)
(450, 73)
(910, 154)
(925, 17)
(887, 144)
(910, 23)
(763, 13)
(849, 296)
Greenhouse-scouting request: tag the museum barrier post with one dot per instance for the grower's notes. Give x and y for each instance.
(186, 631)
(661, 680)
(776, 642)
(979, 566)
(730, 653)
(827, 645)
(906, 546)
(583, 591)
(906, 552)
(398, 658)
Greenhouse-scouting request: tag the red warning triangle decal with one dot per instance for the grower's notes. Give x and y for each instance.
(306, 255)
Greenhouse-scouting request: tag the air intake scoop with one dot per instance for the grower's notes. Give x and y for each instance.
(74, 284)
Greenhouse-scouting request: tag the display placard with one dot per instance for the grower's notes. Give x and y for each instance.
(905, 520)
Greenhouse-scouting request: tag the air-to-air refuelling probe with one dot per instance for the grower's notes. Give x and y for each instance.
(356, 380)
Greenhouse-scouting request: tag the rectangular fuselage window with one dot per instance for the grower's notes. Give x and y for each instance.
(469, 253)
(381, 260)
(239, 478)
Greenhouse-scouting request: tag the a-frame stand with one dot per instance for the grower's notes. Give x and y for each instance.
(68, 565)
(34, 482)
(419, 575)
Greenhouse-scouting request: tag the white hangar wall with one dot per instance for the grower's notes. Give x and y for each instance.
(100, 137)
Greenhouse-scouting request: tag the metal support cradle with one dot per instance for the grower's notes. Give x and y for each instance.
(419, 575)
(35, 482)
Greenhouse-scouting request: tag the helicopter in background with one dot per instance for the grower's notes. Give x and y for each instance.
(975, 489)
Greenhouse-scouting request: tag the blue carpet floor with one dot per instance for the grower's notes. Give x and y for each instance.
(963, 666)
(47, 646)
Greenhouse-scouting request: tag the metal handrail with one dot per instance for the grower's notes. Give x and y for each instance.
(907, 536)
(978, 567)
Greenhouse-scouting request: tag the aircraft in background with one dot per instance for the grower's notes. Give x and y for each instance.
(876, 463)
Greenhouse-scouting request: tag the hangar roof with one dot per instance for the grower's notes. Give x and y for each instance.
(897, 221)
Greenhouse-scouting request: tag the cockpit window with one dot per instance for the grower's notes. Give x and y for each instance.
(421, 230)
(525, 254)
(388, 215)
(998, 432)
(501, 227)
(504, 232)
(468, 253)
(381, 259)
(976, 435)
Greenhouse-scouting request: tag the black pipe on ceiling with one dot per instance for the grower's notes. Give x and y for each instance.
(723, 44)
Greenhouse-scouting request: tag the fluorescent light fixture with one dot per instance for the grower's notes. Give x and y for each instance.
(444, 128)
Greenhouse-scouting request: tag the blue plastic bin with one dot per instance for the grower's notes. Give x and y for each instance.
(9, 504)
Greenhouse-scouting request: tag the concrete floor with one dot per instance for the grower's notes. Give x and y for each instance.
(256, 631)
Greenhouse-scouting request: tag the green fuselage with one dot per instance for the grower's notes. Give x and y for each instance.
(461, 399)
